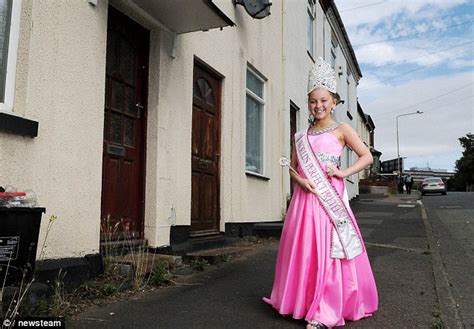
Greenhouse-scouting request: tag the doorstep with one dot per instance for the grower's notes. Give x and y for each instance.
(197, 244)
(218, 255)
(146, 261)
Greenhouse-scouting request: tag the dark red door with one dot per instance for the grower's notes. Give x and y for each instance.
(205, 206)
(124, 129)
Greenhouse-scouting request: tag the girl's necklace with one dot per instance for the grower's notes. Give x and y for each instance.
(332, 126)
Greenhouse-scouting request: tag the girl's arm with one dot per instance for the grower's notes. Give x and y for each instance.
(305, 184)
(352, 139)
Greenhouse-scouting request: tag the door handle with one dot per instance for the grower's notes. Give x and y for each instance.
(139, 109)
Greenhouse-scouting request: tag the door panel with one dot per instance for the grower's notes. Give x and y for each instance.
(205, 153)
(124, 127)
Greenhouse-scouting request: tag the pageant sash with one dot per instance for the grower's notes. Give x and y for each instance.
(345, 241)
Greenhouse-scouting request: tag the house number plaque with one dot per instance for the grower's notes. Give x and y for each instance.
(9, 248)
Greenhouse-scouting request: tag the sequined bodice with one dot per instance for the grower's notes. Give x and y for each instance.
(327, 148)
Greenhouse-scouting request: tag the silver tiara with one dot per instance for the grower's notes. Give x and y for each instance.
(322, 76)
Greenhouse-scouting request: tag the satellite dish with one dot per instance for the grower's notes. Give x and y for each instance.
(256, 8)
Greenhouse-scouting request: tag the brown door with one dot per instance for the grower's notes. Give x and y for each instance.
(124, 130)
(205, 207)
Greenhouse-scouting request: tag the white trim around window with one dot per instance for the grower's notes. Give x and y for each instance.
(310, 26)
(7, 105)
(348, 82)
(260, 100)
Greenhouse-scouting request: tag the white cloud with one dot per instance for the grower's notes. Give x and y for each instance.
(461, 63)
(378, 13)
(434, 132)
(400, 75)
(378, 54)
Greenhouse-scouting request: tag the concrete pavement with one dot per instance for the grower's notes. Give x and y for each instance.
(451, 217)
(229, 295)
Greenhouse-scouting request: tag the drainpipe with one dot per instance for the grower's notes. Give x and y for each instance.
(284, 112)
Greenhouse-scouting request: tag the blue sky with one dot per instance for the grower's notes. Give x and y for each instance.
(415, 55)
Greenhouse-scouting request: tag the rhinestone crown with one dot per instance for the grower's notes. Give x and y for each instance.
(322, 76)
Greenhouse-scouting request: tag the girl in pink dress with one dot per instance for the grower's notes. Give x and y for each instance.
(310, 281)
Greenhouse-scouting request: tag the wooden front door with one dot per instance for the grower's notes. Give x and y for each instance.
(205, 206)
(123, 171)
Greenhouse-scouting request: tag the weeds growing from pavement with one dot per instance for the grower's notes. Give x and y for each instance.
(108, 231)
(199, 264)
(59, 300)
(139, 258)
(132, 258)
(161, 274)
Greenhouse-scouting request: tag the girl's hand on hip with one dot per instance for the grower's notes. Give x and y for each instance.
(335, 171)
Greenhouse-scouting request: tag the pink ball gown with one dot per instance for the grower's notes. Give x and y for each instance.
(309, 283)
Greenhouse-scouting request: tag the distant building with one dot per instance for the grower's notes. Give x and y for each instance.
(419, 174)
(377, 164)
(391, 166)
(365, 129)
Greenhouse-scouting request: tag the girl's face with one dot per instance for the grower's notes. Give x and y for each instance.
(320, 103)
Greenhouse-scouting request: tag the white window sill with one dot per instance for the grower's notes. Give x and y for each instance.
(256, 175)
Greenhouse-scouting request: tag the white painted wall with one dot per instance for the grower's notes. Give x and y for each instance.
(168, 185)
(60, 83)
(228, 51)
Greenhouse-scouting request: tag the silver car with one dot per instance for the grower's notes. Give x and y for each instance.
(433, 185)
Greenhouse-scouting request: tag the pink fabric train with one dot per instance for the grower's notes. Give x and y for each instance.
(308, 283)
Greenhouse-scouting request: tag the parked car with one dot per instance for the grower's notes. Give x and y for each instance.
(433, 185)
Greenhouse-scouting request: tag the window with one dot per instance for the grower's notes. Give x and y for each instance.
(310, 27)
(348, 95)
(9, 31)
(333, 54)
(255, 102)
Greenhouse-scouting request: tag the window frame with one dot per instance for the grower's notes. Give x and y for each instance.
(261, 101)
(333, 54)
(13, 39)
(348, 94)
(311, 17)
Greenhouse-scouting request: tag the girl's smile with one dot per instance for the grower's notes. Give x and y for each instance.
(320, 103)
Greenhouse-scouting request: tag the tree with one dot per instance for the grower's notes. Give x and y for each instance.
(464, 177)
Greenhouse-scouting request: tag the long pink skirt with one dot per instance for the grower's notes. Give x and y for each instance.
(309, 283)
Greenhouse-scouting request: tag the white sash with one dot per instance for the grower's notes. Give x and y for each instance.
(345, 242)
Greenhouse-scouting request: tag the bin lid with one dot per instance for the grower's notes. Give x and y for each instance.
(22, 209)
(11, 194)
